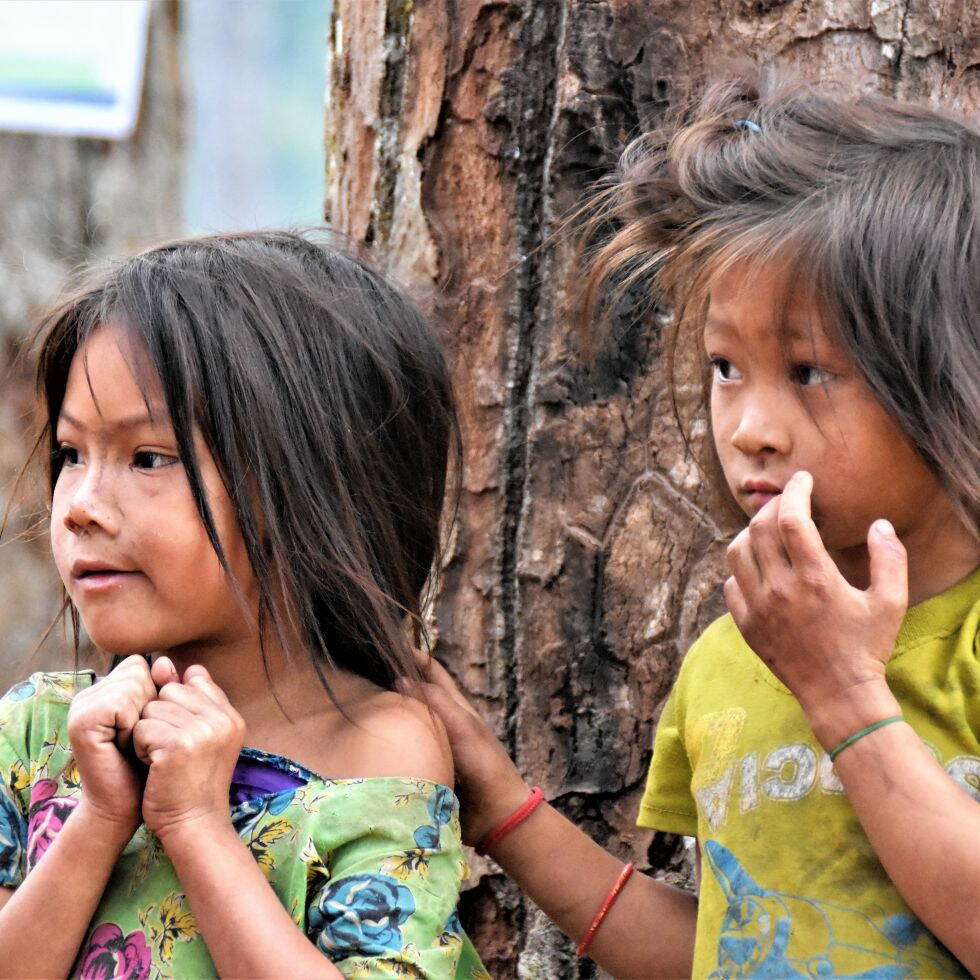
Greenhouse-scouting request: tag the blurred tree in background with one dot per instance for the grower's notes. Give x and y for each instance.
(229, 136)
(584, 561)
(255, 76)
(64, 202)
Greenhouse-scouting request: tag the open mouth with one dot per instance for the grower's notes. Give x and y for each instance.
(101, 578)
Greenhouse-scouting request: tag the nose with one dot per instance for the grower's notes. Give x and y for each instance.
(763, 427)
(89, 505)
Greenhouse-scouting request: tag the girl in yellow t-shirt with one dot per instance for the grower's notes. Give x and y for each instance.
(823, 254)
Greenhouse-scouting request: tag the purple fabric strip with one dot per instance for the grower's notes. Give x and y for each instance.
(255, 778)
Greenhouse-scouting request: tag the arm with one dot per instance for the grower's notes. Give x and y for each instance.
(190, 738)
(40, 936)
(75, 869)
(922, 826)
(245, 927)
(649, 932)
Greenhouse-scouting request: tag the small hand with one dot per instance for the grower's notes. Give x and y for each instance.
(190, 737)
(827, 641)
(488, 784)
(100, 728)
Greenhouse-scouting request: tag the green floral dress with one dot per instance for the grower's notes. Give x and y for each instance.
(369, 869)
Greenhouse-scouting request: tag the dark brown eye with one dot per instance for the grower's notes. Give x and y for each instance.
(146, 460)
(724, 370)
(810, 374)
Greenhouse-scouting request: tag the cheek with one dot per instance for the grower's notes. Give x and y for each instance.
(723, 425)
(59, 535)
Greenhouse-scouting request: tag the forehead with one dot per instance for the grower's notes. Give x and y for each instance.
(111, 376)
(764, 299)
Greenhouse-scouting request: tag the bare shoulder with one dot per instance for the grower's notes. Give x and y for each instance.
(395, 735)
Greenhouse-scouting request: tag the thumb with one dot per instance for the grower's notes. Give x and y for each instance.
(460, 722)
(163, 672)
(889, 566)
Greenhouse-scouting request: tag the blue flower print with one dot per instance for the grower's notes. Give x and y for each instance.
(442, 805)
(246, 815)
(427, 837)
(13, 833)
(22, 691)
(360, 915)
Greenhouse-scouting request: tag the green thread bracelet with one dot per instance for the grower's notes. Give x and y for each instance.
(851, 739)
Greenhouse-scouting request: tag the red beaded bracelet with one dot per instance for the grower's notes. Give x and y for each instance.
(503, 828)
(604, 909)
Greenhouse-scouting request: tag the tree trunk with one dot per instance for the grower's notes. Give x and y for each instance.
(63, 202)
(583, 562)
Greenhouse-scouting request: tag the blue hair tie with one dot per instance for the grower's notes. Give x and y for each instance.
(749, 125)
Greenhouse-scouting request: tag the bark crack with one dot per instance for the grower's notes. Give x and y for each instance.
(903, 38)
(398, 25)
(532, 95)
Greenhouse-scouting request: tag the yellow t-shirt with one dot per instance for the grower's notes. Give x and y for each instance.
(790, 886)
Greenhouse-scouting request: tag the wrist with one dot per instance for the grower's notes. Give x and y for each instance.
(193, 827)
(100, 826)
(510, 797)
(836, 718)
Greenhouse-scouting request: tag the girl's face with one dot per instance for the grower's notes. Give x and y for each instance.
(786, 397)
(126, 535)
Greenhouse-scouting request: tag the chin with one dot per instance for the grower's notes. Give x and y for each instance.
(124, 639)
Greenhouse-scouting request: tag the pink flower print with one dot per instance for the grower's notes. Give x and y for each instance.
(110, 955)
(46, 817)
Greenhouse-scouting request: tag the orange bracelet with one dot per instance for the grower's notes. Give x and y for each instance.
(503, 828)
(604, 908)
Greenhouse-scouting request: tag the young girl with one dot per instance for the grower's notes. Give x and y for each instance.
(824, 256)
(249, 438)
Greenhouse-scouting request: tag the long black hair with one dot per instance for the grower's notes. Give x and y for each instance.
(873, 204)
(325, 399)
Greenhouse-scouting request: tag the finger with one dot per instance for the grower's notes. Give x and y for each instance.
(168, 711)
(741, 561)
(133, 671)
(198, 678)
(149, 736)
(124, 718)
(163, 672)
(767, 546)
(735, 600)
(458, 719)
(135, 663)
(190, 698)
(889, 566)
(800, 537)
(439, 677)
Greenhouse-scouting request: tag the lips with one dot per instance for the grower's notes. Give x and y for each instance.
(758, 493)
(97, 576)
(761, 486)
(82, 569)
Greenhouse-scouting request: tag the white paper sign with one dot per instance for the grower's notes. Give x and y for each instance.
(72, 67)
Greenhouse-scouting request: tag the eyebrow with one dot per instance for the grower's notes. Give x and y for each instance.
(792, 331)
(116, 425)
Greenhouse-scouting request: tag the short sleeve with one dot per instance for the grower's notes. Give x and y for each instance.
(15, 718)
(667, 802)
(388, 908)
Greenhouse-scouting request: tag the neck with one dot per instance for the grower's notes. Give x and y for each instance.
(940, 554)
(237, 668)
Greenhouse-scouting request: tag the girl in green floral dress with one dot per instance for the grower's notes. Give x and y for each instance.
(249, 437)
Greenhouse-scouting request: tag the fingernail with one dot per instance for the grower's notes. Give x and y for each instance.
(884, 528)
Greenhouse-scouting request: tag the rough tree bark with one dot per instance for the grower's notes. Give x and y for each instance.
(583, 562)
(64, 202)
